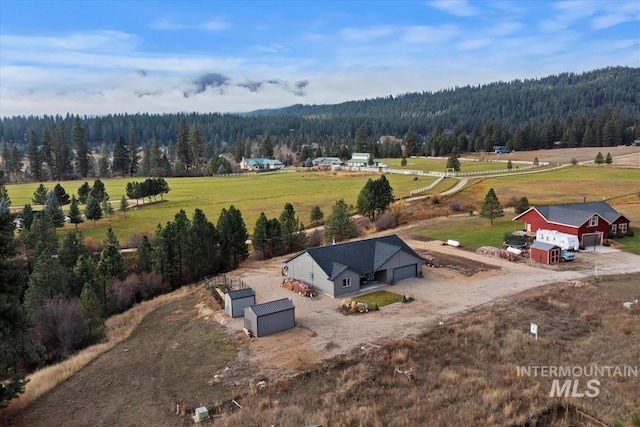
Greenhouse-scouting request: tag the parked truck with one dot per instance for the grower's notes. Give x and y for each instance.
(566, 241)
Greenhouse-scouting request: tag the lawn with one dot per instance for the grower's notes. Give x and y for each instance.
(427, 164)
(471, 232)
(380, 298)
(251, 194)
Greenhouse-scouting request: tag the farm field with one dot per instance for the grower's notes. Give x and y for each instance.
(251, 194)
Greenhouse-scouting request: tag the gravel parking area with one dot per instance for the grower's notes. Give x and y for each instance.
(323, 331)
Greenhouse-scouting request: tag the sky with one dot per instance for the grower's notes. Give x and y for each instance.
(94, 57)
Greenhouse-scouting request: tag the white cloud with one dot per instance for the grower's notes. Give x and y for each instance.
(101, 39)
(212, 25)
(473, 44)
(429, 34)
(615, 14)
(505, 28)
(364, 35)
(454, 7)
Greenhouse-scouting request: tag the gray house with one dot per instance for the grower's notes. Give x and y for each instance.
(270, 317)
(236, 300)
(347, 268)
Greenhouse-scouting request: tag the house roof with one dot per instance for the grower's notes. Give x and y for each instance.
(261, 161)
(360, 157)
(271, 307)
(575, 214)
(241, 293)
(542, 246)
(362, 256)
(327, 160)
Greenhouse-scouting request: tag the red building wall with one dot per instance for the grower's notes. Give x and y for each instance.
(536, 222)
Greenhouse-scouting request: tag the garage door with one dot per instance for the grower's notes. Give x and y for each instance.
(591, 239)
(402, 273)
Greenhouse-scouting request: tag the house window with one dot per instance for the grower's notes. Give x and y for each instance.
(622, 228)
(614, 229)
(346, 282)
(593, 221)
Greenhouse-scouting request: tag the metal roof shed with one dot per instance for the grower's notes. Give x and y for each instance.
(236, 300)
(545, 253)
(270, 317)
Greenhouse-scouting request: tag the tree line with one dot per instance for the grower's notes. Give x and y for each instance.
(596, 108)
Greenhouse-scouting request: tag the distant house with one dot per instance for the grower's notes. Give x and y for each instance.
(363, 160)
(260, 164)
(591, 222)
(270, 317)
(327, 161)
(348, 268)
(236, 300)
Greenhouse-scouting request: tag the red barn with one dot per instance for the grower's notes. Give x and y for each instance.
(591, 222)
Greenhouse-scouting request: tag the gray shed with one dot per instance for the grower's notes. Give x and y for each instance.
(270, 317)
(235, 301)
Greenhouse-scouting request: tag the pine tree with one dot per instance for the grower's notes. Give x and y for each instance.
(233, 237)
(40, 195)
(362, 140)
(183, 151)
(260, 238)
(339, 224)
(293, 233)
(35, 158)
(238, 148)
(144, 260)
(267, 148)
(4, 194)
(71, 249)
(98, 191)
(111, 238)
(522, 205)
(453, 163)
(145, 163)
(47, 281)
(61, 195)
(203, 246)
(75, 217)
(47, 154)
(81, 147)
(316, 215)
(92, 210)
(491, 206)
(410, 143)
(133, 157)
(599, 159)
(53, 210)
(608, 160)
(7, 226)
(124, 204)
(196, 145)
(111, 264)
(121, 160)
(27, 216)
(83, 192)
(90, 310)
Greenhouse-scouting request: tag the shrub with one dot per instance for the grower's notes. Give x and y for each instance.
(137, 288)
(386, 221)
(629, 232)
(455, 207)
(435, 198)
(135, 239)
(511, 202)
(93, 245)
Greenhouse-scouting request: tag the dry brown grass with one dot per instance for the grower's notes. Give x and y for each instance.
(465, 372)
(118, 328)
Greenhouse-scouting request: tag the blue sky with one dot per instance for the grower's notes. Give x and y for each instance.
(97, 57)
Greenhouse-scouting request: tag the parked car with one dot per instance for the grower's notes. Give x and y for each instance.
(565, 255)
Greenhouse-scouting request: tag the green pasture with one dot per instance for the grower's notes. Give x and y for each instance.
(379, 298)
(471, 232)
(427, 164)
(251, 194)
(567, 185)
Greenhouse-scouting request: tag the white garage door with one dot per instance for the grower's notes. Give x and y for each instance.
(402, 273)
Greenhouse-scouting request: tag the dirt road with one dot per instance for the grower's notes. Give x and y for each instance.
(323, 331)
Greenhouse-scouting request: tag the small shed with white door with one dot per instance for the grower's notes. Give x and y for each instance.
(236, 300)
(545, 253)
(270, 317)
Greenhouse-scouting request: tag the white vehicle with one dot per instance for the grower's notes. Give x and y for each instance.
(565, 241)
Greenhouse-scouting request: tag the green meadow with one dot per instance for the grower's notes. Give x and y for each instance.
(251, 193)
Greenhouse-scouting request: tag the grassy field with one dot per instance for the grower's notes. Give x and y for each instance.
(427, 164)
(471, 232)
(251, 194)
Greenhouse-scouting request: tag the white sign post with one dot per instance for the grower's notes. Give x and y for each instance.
(534, 330)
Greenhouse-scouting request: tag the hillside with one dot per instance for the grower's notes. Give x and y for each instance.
(595, 108)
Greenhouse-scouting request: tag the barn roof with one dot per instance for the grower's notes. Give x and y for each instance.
(362, 256)
(271, 307)
(575, 214)
(241, 293)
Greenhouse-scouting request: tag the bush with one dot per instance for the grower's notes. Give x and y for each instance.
(511, 202)
(455, 207)
(435, 198)
(386, 221)
(136, 288)
(136, 238)
(629, 232)
(93, 245)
